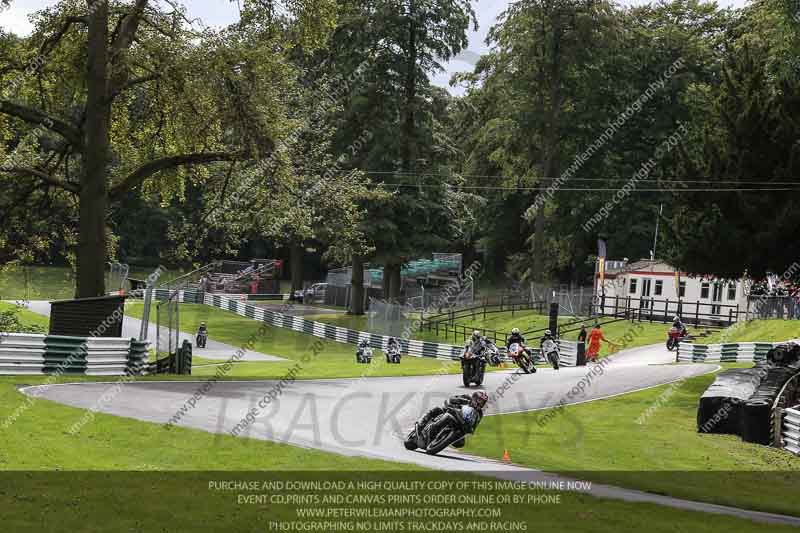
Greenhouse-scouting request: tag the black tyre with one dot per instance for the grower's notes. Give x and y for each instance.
(465, 377)
(479, 377)
(411, 441)
(671, 344)
(441, 441)
(553, 360)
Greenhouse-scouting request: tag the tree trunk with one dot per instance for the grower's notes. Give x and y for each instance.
(296, 259)
(409, 152)
(357, 289)
(397, 283)
(92, 252)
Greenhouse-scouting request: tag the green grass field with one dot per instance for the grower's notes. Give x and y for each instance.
(334, 360)
(624, 334)
(617, 441)
(27, 317)
(761, 330)
(55, 282)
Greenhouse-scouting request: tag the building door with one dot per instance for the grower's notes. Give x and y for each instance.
(716, 299)
(646, 288)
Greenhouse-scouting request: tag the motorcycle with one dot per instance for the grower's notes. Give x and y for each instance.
(550, 353)
(473, 367)
(201, 339)
(675, 336)
(393, 355)
(492, 354)
(450, 431)
(522, 358)
(364, 355)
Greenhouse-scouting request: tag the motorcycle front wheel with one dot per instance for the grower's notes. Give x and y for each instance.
(671, 344)
(411, 441)
(442, 441)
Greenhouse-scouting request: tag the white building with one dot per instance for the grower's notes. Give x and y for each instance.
(654, 287)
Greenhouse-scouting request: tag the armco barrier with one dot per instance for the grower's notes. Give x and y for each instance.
(349, 336)
(791, 430)
(743, 352)
(26, 354)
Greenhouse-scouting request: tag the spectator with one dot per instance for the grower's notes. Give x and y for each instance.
(582, 334)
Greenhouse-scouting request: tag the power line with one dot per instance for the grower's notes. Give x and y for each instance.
(764, 181)
(585, 189)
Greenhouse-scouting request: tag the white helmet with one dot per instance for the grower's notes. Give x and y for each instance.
(515, 331)
(677, 318)
(548, 333)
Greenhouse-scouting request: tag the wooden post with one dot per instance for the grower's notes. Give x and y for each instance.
(697, 314)
(666, 311)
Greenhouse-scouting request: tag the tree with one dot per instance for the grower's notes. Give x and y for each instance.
(133, 96)
(401, 44)
(745, 133)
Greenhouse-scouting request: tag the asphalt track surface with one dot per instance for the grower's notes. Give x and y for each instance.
(369, 417)
(214, 350)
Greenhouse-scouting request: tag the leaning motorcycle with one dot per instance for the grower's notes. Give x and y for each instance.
(550, 353)
(473, 367)
(675, 337)
(392, 355)
(449, 430)
(364, 355)
(521, 357)
(492, 354)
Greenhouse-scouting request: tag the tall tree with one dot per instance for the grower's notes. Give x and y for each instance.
(154, 98)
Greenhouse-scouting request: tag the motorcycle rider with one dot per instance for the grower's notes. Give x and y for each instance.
(362, 345)
(463, 402)
(515, 337)
(548, 336)
(678, 324)
(202, 335)
(393, 343)
(476, 343)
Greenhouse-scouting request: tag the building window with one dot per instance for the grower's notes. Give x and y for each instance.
(682, 289)
(704, 289)
(659, 288)
(732, 291)
(633, 288)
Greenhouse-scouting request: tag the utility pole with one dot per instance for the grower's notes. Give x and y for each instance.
(655, 240)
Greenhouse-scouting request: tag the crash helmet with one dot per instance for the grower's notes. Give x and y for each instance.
(364, 343)
(476, 335)
(676, 319)
(202, 324)
(479, 399)
(548, 333)
(515, 331)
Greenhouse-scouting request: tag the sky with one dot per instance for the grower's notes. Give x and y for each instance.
(223, 12)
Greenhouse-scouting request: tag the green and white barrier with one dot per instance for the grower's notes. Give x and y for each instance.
(27, 354)
(743, 352)
(348, 336)
(791, 430)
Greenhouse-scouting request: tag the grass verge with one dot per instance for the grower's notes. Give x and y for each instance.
(647, 440)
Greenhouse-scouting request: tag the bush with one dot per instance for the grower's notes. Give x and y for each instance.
(11, 323)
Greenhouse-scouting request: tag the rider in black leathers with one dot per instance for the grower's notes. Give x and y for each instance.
(548, 335)
(515, 337)
(477, 401)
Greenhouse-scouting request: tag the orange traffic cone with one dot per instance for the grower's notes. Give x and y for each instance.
(506, 458)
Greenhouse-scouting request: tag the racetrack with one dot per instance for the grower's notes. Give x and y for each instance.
(369, 417)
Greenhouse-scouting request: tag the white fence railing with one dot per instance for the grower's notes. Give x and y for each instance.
(27, 354)
(791, 430)
(743, 352)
